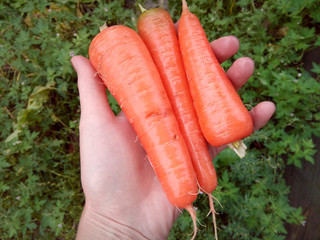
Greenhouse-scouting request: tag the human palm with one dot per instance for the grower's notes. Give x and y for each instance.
(124, 199)
(118, 181)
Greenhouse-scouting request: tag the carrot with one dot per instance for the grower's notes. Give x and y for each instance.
(222, 116)
(125, 65)
(157, 30)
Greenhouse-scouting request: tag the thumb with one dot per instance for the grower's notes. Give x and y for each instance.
(93, 99)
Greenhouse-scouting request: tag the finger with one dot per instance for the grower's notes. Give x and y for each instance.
(122, 117)
(261, 114)
(176, 26)
(93, 98)
(214, 151)
(225, 47)
(240, 71)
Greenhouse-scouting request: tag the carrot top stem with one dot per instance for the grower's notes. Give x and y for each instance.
(142, 9)
(103, 27)
(185, 6)
(239, 147)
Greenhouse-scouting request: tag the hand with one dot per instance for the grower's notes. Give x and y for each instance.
(124, 199)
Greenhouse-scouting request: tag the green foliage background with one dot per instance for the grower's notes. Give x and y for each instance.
(40, 189)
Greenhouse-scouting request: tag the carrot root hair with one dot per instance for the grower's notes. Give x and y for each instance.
(213, 212)
(193, 215)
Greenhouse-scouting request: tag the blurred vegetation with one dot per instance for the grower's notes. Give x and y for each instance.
(41, 196)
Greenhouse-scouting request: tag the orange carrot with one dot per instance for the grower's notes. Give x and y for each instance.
(222, 116)
(157, 30)
(125, 65)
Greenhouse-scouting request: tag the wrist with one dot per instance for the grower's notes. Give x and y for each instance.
(94, 225)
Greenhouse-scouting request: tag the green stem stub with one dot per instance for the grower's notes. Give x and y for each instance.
(103, 27)
(142, 9)
(239, 147)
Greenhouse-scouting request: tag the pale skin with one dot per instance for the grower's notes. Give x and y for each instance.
(123, 198)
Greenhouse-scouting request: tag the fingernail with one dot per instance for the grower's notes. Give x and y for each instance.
(73, 62)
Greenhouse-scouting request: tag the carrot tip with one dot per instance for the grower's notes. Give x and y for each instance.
(193, 215)
(239, 147)
(142, 9)
(212, 210)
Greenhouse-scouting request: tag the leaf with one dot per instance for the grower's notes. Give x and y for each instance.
(309, 158)
(225, 177)
(315, 68)
(13, 136)
(3, 187)
(297, 162)
(39, 96)
(317, 42)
